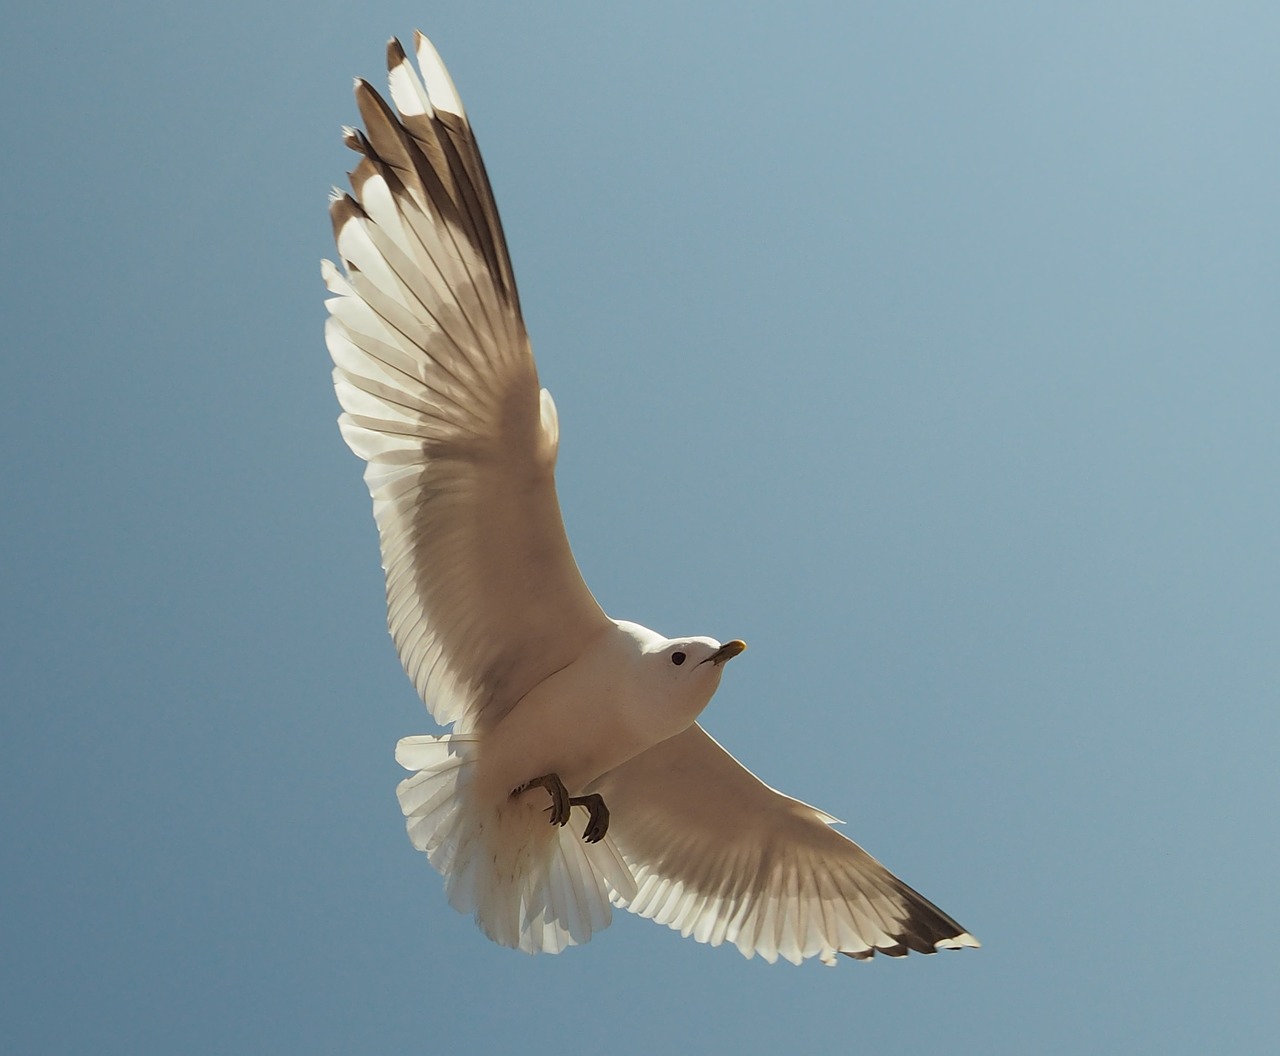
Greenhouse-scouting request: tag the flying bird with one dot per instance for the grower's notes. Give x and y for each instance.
(576, 776)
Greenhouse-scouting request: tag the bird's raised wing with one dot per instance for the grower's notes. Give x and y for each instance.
(440, 396)
(719, 855)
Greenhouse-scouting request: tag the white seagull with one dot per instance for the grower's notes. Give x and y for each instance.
(559, 713)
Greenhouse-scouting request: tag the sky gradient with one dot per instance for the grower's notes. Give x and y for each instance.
(932, 349)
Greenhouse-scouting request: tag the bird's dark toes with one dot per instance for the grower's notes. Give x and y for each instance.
(598, 823)
(560, 807)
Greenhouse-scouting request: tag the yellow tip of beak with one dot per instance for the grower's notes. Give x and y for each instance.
(727, 651)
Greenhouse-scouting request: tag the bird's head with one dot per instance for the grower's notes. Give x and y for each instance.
(680, 675)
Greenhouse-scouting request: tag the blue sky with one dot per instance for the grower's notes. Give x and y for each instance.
(930, 348)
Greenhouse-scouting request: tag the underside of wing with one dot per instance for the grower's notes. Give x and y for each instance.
(720, 856)
(440, 396)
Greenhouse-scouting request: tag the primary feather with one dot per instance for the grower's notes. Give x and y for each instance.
(440, 396)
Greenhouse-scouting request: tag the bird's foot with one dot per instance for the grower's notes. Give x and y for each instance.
(559, 808)
(598, 823)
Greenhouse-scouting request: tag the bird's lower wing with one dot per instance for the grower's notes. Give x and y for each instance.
(720, 856)
(440, 396)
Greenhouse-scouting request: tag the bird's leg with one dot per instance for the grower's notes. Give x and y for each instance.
(598, 823)
(559, 795)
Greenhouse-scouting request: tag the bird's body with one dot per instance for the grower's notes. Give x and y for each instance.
(621, 696)
(559, 713)
(489, 832)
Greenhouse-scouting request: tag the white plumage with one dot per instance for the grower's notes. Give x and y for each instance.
(550, 700)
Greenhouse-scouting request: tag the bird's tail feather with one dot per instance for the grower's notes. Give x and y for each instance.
(529, 884)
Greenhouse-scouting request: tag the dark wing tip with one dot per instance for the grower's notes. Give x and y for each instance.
(342, 209)
(353, 139)
(923, 933)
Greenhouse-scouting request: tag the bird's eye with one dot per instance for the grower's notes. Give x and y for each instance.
(677, 658)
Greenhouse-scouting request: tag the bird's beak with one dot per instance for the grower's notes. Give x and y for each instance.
(726, 652)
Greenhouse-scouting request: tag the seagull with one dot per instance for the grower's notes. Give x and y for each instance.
(576, 777)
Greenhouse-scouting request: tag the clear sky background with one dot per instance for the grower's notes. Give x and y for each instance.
(931, 348)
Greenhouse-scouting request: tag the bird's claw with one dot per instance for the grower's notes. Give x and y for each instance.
(559, 809)
(598, 823)
(562, 802)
